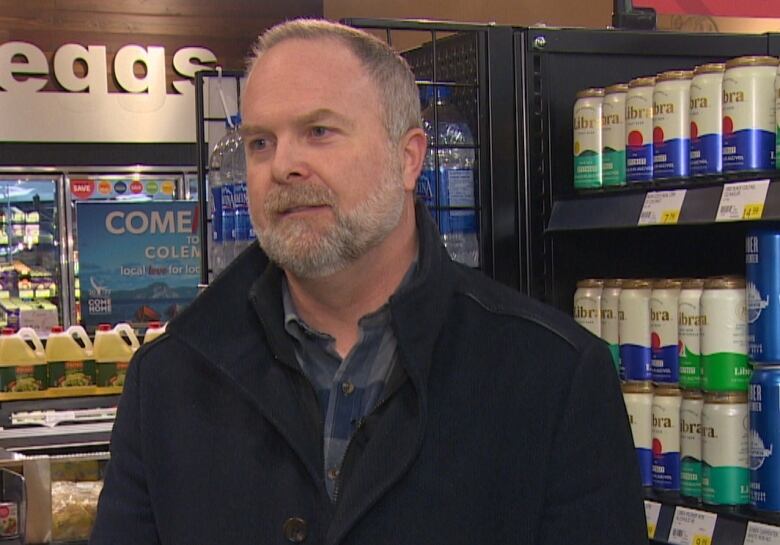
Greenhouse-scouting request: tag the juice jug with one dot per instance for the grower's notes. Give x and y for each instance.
(154, 330)
(22, 361)
(70, 358)
(113, 349)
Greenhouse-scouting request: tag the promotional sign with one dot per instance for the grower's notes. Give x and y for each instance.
(138, 262)
(716, 8)
(95, 189)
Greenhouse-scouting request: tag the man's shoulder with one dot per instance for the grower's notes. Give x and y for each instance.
(510, 306)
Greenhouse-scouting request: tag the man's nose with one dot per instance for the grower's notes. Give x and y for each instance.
(289, 161)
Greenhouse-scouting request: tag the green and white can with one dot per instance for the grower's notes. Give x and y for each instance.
(724, 358)
(587, 138)
(689, 328)
(613, 135)
(690, 444)
(725, 470)
(610, 324)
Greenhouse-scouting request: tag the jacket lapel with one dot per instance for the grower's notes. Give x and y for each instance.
(397, 430)
(236, 344)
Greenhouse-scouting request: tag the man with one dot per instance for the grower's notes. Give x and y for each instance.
(362, 388)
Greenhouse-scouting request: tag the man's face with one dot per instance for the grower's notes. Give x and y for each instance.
(325, 184)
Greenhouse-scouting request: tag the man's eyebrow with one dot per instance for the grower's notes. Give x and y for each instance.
(324, 114)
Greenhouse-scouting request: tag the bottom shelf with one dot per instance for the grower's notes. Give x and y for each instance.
(672, 520)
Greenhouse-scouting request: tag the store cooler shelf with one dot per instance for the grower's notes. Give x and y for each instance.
(59, 393)
(619, 208)
(731, 524)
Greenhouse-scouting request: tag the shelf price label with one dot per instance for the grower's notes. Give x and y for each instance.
(692, 527)
(761, 534)
(742, 201)
(662, 207)
(652, 512)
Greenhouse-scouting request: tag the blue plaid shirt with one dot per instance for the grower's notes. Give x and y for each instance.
(348, 389)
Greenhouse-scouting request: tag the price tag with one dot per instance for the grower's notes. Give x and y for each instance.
(742, 201)
(692, 527)
(652, 512)
(761, 534)
(661, 207)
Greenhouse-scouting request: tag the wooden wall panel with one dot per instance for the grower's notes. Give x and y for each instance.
(227, 27)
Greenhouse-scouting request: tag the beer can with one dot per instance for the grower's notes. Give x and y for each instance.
(665, 363)
(725, 477)
(638, 397)
(634, 329)
(587, 305)
(613, 135)
(764, 394)
(707, 119)
(610, 325)
(749, 119)
(724, 357)
(587, 138)
(762, 280)
(9, 520)
(639, 130)
(690, 444)
(666, 440)
(689, 328)
(777, 116)
(672, 124)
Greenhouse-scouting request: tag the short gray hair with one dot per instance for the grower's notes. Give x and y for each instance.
(390, 72)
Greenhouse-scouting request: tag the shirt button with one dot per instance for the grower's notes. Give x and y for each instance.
(295, 530)
(347, 388)
(333, 473)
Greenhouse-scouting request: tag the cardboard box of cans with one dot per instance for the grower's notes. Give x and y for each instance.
(698, 120)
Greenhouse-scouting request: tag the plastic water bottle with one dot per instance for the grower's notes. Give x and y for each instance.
(243, 232)
(449, 190)
(229, 191)
(217, 260)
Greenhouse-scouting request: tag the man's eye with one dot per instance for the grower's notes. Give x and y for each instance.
(319, 132)
(258, 143)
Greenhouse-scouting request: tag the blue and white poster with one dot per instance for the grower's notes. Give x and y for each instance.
(138, 262)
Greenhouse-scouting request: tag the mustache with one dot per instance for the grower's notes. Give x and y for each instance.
(286, 198)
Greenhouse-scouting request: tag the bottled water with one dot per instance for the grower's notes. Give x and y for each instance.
(221, 205)
(228, 192)
(214, 180)
(243, 232)
(449, 190)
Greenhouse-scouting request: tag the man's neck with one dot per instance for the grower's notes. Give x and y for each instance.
(334, 304)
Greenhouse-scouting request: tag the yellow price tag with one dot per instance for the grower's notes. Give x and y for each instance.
(699, 539)
(650, 530)
(669, 216)
(753, 211)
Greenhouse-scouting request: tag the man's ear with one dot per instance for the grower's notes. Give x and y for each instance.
(412, 146)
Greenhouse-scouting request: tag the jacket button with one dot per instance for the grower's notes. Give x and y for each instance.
(295, 530)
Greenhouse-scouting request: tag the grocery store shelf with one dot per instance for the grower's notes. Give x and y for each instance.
(73, 434)
(731, 523)
(619, 208)
(59, 393)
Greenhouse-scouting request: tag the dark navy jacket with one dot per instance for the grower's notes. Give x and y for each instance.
(505, 425)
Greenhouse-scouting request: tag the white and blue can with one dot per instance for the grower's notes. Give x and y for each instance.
(706, 112)
(638, 397)
(634, 330)
(666, 439)
(639, 130)
(671, 124)
(749, 121)
(664, 331)
(762, 284)
(764, 441)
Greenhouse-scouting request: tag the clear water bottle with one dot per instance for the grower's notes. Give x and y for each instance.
(244, 233)
(449, 190)
(214, 180)
(228, 192)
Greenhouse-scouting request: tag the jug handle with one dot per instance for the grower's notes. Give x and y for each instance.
(78, 331)
(129, 333)
(29, 334)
